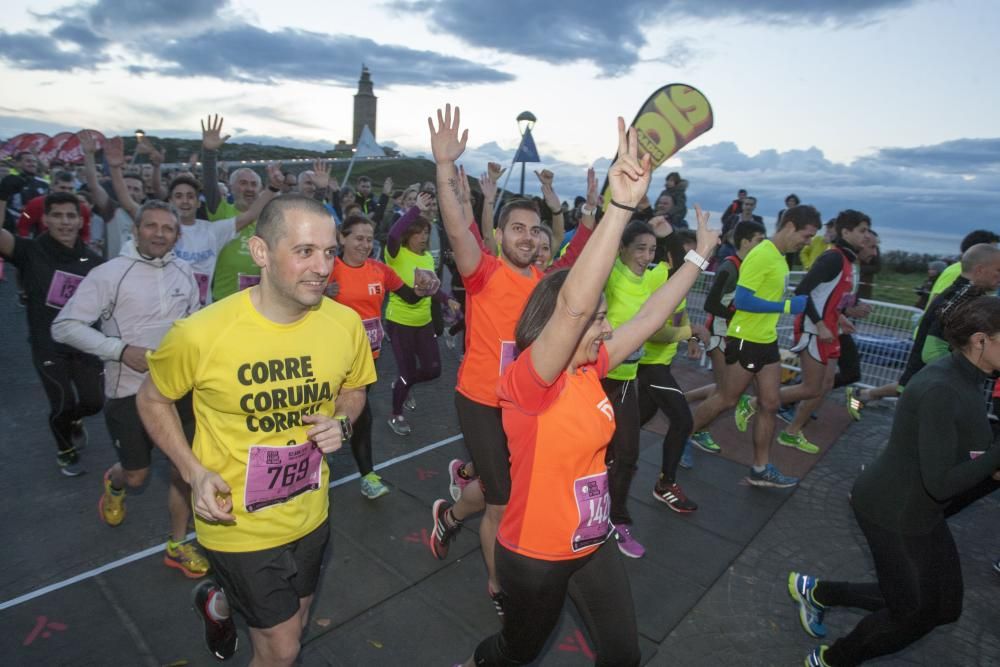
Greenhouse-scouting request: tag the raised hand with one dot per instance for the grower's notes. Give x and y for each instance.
(661, 228)
(628, 177)
(592, 194)
(545, 177)
(707, 238)
(488, 185)
(211, 133)
(275, 177)
(446, 144)
(88, 142)
(114, 152)
(495, 170)
(463, 185)
(321, 173)
(425, 201)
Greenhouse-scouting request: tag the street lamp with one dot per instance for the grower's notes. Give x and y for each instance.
(525, 121)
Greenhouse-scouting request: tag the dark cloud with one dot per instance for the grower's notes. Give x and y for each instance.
(609, 35)
(34, 50)
(115, 15)
(79, 34)
(962, 156)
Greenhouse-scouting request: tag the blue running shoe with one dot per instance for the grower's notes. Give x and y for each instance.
(800, 587)
(815, 659)
(770, 476)
(704, 441)
(687, 460)
(786, 413)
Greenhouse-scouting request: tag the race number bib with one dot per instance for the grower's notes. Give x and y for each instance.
(508, 353)
(202, 280)
(373, 327)
(62, 287)
(593, 503)
(275, 475)
(245, 280)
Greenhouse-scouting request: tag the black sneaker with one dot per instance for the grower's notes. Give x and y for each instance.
(673, 497)
(78, 435)
(69, 463)
(442, 534)
(220, 636)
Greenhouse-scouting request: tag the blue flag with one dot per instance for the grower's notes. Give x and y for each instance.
(527, 152)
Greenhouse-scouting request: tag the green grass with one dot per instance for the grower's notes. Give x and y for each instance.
(896, 287)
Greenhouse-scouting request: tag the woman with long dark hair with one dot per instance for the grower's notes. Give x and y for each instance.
(940, 458)
(552, 539)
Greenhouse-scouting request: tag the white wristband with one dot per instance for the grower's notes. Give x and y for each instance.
(696, 259)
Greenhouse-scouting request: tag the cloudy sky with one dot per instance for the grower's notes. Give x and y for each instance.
(889, 106)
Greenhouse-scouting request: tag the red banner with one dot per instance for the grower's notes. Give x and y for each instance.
(52, 146)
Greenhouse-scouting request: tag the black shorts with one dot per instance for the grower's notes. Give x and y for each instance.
(751, 356)
(133, 444)
(266, 586)
(482, 428)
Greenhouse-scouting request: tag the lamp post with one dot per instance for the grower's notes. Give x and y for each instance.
(525, 121)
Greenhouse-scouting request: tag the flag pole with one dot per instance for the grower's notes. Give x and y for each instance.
(510, 170)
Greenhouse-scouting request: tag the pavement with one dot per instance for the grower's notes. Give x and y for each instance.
(710, 591)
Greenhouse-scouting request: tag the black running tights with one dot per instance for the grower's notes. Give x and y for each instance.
(659, 391)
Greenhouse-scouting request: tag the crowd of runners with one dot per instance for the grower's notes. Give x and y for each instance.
(200, 320)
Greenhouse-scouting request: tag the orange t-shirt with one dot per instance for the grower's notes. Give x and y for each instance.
(560, 503)
(495, 295)
(363, 289)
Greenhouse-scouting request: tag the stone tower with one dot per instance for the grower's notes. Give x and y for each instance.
(364, 105)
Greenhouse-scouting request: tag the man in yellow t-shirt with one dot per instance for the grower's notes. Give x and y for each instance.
(278, 374)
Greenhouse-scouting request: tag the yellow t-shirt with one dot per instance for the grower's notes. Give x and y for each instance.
(765, 273)
(404, 263)
(253, 380)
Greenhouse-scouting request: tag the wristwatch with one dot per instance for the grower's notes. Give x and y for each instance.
(346, 430)
(588, 210)
(696, 259)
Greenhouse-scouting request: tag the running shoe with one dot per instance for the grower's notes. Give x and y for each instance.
(69, 463)
(499, 599)
(410, 403)
(744, 411)
(111, 506)
(399, 425)
(798, 441)
(770, 477)
(372, 486)
(442, 534)
(687, 459)
(801, 587)
(456, 483)
(854, 403)
(673, 497)
(220, 636)
(815, 659)
(786, 413)
(704, 441)
(78, 435)
(187, 558)
(627, 544)
(996, 566)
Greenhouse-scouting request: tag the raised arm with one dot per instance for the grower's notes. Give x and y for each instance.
(545, 178)
(211, 142)
(488, 185)
(447, 146)
(114, 153)
(399, 228)
(102, 202)
(585, 229)
(580, 295)
(664, 301)
(145, 147)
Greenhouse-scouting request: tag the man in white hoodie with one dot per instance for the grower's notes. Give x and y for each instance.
(136, 297)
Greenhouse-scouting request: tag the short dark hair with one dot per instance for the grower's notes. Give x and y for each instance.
(795, 197)
(746, 230)
(417, 226)
(353, 221)
(183, 180)
(979, 236)
(516, 205)
(538, 311)
(849, 219)
(271, 221)
(634, 230)
(63, 177)
(364, 179)
(979, 315)
(802, 216)
(56, 198)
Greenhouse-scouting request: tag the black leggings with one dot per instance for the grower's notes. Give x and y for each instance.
(849, 363)
(659, 390)
(74, 385)
(413, 346)
(919, 588)
(361, 438)
(536, 590)
(623, 450)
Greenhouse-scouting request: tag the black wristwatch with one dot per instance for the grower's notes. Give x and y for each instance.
(346, 430)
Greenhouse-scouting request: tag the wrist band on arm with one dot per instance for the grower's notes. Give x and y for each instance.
(630, 209)
(696, 259)
(788, 306)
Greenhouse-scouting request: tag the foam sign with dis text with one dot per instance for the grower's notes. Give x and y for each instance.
(671, 118)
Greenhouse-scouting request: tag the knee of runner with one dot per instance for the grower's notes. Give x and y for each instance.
(768, 403)
(136, 478)
(283, 647)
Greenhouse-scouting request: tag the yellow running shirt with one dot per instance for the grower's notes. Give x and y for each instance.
(765, 273)
(253, 380)
(404, 263)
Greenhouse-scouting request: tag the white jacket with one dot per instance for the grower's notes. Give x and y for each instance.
(136, 300)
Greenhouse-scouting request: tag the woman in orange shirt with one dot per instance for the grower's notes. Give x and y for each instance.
(553, 536)
(361, 283)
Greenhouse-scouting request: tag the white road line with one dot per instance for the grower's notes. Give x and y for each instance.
(45, 590)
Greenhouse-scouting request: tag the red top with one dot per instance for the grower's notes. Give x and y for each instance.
(557, 434)
(363, 289)
(31, 218)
